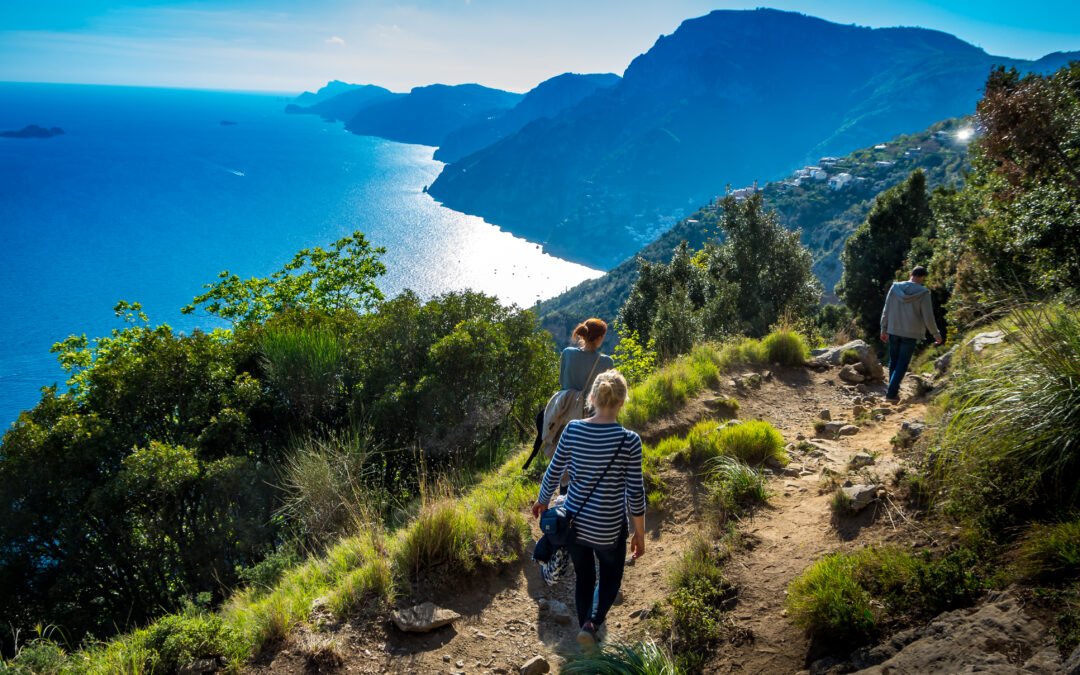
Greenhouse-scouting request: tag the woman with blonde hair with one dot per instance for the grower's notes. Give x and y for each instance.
(606, 495)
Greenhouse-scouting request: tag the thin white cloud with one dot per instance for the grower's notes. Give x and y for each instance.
(335, 40)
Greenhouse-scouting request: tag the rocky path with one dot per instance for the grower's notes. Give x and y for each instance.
(512, 616)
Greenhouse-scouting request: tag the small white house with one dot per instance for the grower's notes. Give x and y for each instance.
(817, 173)
(840, 180)
(883, 163)
(880, 146)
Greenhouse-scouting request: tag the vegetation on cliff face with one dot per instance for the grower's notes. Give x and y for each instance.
(165, 470)
(824, 216)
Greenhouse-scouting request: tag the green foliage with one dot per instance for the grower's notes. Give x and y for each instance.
(734, 485)
(827, 601)
(1013, 423)
(670, 387)
(1050, 552)
(174, 461)
(342, 277)
(176, 640)
(753, 442)
(698, 603)
(40, 656)
(845, 598)
(743, 286)
(642, 658)
(634, 360)
(304, 364)
(786, 347)
(874, 253)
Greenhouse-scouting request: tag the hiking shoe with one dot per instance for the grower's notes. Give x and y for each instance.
(586, 637)
(892, 399)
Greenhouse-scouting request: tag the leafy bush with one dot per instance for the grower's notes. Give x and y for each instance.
(786, 347)
(305, 364)
(176, 640)
(1013, 421)
(634, 360)
(830, 604)
(697, 604)
(642, 658)
(753, 441)
(1050, 552)
(38, 657)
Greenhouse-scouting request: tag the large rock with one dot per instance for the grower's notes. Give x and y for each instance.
(423, 618)
(833, 356)
(997, 637)
(942, 363)
(861, 459)
(832, 428)
(849, 430)
(535, 666)
(849, 374)
(861, 496)
(559, 611)
(984, 340)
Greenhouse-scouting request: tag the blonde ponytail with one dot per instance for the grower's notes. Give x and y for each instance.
(609, 390)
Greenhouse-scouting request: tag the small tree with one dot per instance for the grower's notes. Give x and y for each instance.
(342, 277)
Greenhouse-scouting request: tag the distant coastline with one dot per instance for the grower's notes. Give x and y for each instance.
(32, 131)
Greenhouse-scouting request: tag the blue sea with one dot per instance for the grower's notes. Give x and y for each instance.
(148, 196)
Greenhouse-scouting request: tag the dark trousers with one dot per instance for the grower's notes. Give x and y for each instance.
(900, 351)
(611, 561)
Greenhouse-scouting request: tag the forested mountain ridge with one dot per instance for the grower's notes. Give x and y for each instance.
(825, 213)
(728, 98)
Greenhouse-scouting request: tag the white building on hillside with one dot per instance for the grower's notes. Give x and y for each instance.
(817, 173)
(840, 180)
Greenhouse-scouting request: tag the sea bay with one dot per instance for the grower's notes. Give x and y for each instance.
(150, 193)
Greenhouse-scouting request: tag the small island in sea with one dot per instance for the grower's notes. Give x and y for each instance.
(32, 131)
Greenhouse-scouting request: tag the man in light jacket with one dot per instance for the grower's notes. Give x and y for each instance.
(905, 320)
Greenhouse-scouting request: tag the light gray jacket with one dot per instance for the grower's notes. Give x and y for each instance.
(908, 311)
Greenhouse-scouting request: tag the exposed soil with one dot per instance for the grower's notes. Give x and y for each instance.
(504, 624)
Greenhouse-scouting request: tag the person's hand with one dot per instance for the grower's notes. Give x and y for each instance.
(884, 337)
(939, 341)
(637, 545)
(538, 508)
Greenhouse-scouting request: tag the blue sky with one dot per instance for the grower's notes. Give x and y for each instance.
(291, 45)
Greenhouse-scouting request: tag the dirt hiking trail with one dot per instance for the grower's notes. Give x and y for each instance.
(510, 616)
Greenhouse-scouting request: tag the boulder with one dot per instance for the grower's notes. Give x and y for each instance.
(861, 496)
(862, 459)
(833, 428)
(833, 356)
(997, 636)
(942, 363)
(825, 414)
(849, 430)
(535, 666)
(423, 618)
(984, 340)
(849, 374)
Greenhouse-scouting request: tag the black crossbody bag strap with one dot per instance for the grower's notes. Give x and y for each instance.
(598, 480)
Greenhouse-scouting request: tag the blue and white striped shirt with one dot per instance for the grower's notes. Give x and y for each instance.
(587, 448)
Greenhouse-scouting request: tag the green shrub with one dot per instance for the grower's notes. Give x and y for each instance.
(634, 360)
(698, 603)
(642, 658)
(1015, 416)
(305, 365)
(264, 574)
(670, 387)
(828, 601)
(178, 639)
(850, 357)
(753, 441)
(734, 485)
(786, 347)
(840, 503)
(38, 657)
(1050, 552)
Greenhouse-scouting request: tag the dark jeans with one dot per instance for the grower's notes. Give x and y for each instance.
(612, 561)
(900, 352)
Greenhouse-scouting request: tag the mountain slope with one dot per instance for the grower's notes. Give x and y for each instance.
(826, 217)
(545, 100)
(344, 105)
(426, 115)
(728, 98)
(333, 88)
